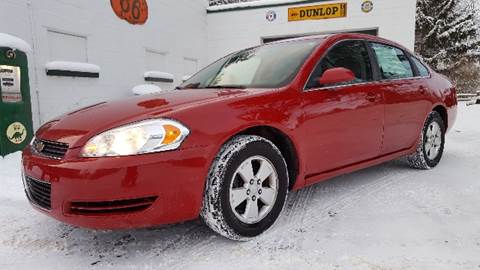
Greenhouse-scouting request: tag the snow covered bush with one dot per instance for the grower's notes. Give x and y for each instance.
(447, 37)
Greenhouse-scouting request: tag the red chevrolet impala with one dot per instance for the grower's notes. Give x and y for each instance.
(231, 142)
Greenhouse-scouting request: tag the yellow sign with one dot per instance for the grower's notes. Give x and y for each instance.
(318, 12)
(16, 133)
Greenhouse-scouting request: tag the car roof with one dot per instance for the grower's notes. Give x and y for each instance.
(341, 36)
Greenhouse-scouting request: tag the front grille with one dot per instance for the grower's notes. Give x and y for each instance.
(111, 207)
(50, 149)
(38, 192)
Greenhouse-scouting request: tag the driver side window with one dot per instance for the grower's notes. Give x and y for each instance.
(352, 55)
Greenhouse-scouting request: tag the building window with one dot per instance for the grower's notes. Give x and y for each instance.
(155, 60)
(67, 47)
(68, 56)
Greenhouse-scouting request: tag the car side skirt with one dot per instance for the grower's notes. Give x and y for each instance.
(319, 177)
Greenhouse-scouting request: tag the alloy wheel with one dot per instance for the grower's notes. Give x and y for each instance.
(253, 189)
(433, 140)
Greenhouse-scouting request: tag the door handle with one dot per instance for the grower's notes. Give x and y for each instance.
(372, 97)
(421, 89)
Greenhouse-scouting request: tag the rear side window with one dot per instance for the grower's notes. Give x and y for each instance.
(422, 69)
(393, 62)
(352, 54)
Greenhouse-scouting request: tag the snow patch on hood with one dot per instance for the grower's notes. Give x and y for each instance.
(146, 89)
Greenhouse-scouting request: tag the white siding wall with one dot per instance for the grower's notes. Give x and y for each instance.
(233, 30)
(93, 33)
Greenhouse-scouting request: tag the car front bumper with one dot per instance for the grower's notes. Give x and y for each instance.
(119, 192)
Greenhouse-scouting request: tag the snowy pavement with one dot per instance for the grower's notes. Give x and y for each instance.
(385, 217)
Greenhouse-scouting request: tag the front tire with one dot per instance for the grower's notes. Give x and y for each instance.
(246, 188)
(430, 144)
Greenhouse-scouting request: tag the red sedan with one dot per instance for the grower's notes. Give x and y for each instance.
(231, 142)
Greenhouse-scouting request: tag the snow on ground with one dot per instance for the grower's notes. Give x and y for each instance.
(384, 217)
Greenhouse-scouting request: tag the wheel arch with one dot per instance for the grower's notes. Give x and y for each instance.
(443, 113)
(284, 144)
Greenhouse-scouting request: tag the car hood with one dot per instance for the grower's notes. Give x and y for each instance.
(76, 127)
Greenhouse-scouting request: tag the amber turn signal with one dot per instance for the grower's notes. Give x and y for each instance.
(172, 133)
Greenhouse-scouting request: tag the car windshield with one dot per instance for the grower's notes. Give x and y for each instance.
(268, 66)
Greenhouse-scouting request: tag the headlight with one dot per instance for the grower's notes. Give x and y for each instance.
(143, 137)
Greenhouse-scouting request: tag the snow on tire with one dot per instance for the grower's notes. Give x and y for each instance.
(430, 144)
(246, 188)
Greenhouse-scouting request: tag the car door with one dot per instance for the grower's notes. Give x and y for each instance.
(342, 123)
(404, 94)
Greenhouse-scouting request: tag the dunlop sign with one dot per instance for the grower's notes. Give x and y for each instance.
(318, 12)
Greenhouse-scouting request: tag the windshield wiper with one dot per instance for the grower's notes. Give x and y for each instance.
(225, 86)
(188, 86)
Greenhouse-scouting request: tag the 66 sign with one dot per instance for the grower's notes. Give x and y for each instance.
(132, 11)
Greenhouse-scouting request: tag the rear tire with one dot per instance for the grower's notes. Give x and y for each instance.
(246, 188)
(430, 144)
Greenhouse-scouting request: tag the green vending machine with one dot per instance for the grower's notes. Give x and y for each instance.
(16, 129)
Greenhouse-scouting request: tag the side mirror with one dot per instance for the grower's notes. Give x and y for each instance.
(336, 75)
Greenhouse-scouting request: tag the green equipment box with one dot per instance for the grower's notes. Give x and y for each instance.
(15, 106)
